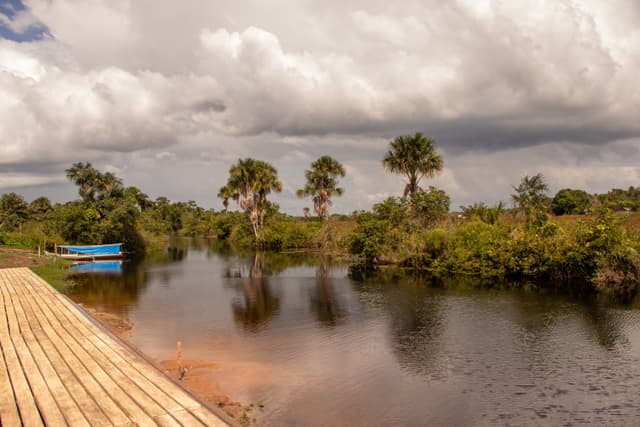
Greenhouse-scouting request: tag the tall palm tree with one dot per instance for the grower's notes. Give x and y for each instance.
(92, 183)
(250, 182)
(85, 176)
(225, 194)
(322, 183)
(414, 156)
(108, 185)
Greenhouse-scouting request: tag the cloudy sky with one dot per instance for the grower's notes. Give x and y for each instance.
(169, 94)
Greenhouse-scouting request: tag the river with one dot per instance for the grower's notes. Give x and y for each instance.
(306, 345)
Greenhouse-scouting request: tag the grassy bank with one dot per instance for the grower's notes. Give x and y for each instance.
(53, 272)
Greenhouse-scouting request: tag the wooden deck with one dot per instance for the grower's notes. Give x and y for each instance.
(58, 368)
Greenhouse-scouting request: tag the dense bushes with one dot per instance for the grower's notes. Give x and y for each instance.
(595, 252)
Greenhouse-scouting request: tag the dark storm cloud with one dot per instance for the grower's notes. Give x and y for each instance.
(210, 106)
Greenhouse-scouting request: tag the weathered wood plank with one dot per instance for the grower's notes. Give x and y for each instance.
(70, 411)
(8, 410)
(81, 396)
(85, 380)
(47, 406)
(99, 373)
(129, 388)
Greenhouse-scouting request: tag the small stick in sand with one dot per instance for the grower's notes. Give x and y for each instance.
(181, 369)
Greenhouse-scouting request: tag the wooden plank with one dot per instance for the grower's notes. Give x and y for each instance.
(45, 402)
(64, 374)
(85, 379)
(140, 374)
(84, 375)
(117, 386)
(70, 411)
(9, 414)
(27, 408)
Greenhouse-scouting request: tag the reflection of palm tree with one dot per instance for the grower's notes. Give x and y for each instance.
(259, 304)
(416, 321)
(323, 300)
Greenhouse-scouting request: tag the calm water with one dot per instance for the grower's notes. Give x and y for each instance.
(317, 348)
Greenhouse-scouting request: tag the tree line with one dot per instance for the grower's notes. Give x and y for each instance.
(414, 229)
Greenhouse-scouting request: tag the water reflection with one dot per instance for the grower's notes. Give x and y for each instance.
(323, 300)
(111, 292)
(605, 325)
(258, 303)
(416, 320)
(318, 348)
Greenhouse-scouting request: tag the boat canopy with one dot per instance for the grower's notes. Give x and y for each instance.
(95, 250)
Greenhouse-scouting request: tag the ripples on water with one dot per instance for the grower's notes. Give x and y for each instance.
(294, 333)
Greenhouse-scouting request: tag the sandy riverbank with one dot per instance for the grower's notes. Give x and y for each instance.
(198, 376)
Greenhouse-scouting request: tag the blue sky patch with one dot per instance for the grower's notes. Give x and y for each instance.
(9, 9)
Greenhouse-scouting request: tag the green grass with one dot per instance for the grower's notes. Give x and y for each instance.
(53, 272)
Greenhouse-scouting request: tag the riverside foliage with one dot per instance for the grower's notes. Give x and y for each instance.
(596, 247)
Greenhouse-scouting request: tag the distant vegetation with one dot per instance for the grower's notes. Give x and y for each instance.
(588, 241)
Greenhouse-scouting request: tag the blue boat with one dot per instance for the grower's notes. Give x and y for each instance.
(89, 252)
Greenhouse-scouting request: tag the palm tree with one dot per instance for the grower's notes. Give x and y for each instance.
(108, 185)
(250, 182)
(84, 175)
(414, 156)
(322, 183)
(92, 183)
(225, 194)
